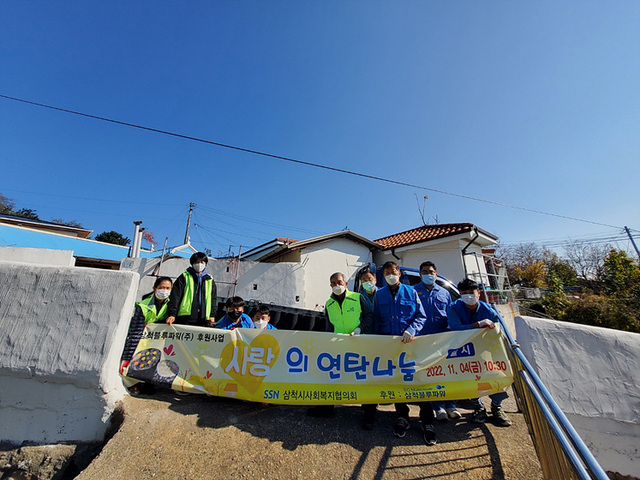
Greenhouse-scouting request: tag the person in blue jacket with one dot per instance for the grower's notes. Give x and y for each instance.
(262, 317)
(470, 312)
(235, 316)
(435, 301)
(397, 311)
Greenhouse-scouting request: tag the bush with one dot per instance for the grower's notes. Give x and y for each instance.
(601, 311)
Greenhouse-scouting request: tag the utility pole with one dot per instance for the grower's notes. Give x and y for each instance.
(186, 234)
(632, 241)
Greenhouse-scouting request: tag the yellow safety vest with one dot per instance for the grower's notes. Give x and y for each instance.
(150, 315)
(345, 318)
(187, 296)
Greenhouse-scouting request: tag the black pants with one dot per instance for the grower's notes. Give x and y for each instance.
(426, 412)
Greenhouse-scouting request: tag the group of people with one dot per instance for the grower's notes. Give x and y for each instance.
(393, 309)
(190, 300)
(407, 312)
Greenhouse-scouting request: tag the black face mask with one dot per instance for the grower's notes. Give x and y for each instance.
(235, 315)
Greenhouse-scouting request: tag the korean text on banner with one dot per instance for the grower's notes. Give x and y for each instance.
(299, 367)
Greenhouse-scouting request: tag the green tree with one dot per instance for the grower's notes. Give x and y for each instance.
(112, 237)
(69, 223)
(621, 276)
(555, 301)
(27, 213)
(6, 205)
(558, 269)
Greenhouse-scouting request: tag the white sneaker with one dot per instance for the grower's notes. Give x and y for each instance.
(441, 415)
(453, 413)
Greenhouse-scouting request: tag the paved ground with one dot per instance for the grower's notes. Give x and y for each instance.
(167, 436)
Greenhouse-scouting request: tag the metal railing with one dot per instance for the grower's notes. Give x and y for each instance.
(562, 453)
(491, 273)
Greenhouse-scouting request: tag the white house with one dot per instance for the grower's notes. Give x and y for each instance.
(452, 247)
(455, 248)
(344, 252)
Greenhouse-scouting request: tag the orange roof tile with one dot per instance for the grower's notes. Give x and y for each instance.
(424, 233)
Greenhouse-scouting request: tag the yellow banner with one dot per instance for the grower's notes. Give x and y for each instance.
(300, 367)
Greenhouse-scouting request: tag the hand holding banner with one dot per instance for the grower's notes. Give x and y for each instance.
(300, 367)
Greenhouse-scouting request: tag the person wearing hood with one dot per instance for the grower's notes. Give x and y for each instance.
(193, 298)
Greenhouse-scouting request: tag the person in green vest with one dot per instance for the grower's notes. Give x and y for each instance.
(194, 296)
(151, 309)
(347, 313)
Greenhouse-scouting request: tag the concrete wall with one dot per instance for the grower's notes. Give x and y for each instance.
(40, 256)
(321, 260)
(63, 329)
(593, 374)
(278, 283)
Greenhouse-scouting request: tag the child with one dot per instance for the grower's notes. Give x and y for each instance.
(262, 317)
(193, 298)
(235, 317)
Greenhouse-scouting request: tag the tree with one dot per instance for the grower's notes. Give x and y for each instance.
(69, 223)
(621, 276)
(533, 275)
(525, 265)
(112, 237)
(587, 260)
(559, 269)
(27, 213)
(149, 237)
(6, 205)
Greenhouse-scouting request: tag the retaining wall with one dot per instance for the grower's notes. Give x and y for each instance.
(594, 376)
(63, 329)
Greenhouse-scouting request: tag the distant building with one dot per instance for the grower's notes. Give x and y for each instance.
(42, 242)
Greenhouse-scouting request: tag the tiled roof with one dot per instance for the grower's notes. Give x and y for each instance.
(424, 233)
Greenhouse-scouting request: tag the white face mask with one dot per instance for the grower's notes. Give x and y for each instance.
(199, 267)
(469, 299)
(261, 323)
(162, 294)
(338, 289)
(392, 279)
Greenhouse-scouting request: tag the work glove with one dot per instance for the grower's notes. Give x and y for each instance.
(485, 324)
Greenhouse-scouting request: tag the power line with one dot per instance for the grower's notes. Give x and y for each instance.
(302, 162)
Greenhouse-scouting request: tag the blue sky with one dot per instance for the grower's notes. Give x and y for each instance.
(533, 104)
